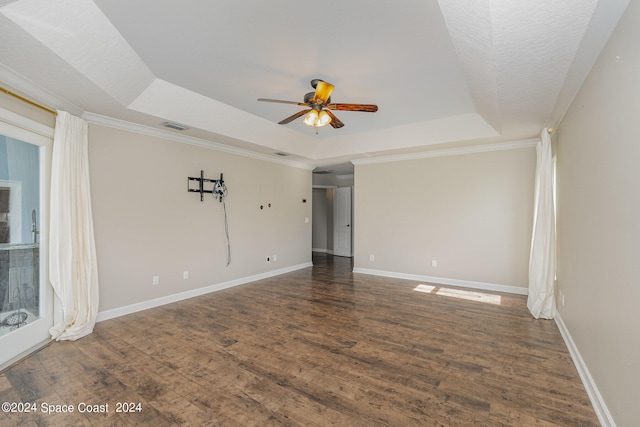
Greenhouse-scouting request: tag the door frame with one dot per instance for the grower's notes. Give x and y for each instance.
(29, 338)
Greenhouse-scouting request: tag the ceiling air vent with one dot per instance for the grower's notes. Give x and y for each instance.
(281, 154)
(175, 126)
(323, 172)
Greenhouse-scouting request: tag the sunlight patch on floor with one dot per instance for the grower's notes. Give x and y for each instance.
(427, 289)
(459, 293)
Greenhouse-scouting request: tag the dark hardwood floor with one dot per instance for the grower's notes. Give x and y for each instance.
(317, 347)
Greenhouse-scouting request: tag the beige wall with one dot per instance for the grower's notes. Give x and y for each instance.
(599, 220)
(147, 224)
(472, 213)
(322, 238)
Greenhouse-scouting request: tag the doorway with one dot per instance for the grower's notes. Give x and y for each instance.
(26, 298)
(332, 231)
(342, 222)
(322, 220)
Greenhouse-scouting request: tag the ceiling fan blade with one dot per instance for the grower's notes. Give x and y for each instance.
(369, 108)
(281, 102)
(335, 122)
(323, 92)
(293, 117)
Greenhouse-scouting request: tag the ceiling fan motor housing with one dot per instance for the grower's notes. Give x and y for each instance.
(308, 99)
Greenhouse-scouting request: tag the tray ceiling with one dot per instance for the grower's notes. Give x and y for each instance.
(442, 72)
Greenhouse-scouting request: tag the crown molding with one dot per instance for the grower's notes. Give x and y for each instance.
(32, 90)
(500, 146)
(184, 139)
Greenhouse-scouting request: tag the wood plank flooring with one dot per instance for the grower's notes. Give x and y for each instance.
(317, 347)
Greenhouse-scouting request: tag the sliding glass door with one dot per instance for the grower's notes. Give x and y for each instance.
(26, 301)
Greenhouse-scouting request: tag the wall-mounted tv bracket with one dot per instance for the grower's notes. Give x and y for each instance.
(218, 188)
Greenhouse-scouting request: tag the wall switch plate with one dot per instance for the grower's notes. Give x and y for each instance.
(372, 257)
(155, 280)
(306, 220)
(275, 257)
(185, 275)
(434, 263)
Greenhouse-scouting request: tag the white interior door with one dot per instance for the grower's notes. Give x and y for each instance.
(342, 225)
(26, 297)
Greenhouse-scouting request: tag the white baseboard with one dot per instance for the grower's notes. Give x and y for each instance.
(599, 406)
(323, 251)
(144, 305)
(445, 281)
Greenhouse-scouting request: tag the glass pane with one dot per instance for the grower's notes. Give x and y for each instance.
(19, 234)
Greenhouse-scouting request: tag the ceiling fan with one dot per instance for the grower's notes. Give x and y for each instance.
(319, 106)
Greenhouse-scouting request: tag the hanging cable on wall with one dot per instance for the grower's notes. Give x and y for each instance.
(219, 192)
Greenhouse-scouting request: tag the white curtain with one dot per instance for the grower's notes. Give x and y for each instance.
(72, 254)
(542, 261)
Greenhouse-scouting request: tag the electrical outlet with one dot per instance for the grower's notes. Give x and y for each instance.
(185, 275)
(372, 257)
(434, 263)
(156, 280)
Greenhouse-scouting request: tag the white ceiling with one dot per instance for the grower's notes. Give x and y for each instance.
(443, 73)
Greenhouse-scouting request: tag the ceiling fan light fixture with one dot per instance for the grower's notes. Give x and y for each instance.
(323, 119)
(317, 102)
(317, 119)
(311, 118)
(323, 91)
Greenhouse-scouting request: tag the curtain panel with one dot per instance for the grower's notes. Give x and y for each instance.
(542, 261)
(73, 269)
